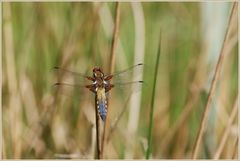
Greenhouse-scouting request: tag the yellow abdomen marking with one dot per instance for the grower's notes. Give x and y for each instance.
(102, 103)
(101, 94)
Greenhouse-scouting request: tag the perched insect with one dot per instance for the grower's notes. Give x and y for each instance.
(101, 84)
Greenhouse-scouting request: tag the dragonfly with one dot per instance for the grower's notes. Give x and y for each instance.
(100, 83)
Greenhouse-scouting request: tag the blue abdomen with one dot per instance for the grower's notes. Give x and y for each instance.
(102, 109)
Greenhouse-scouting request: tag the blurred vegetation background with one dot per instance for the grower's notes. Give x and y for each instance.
(77, 36)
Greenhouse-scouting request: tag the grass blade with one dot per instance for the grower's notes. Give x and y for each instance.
(149, 149)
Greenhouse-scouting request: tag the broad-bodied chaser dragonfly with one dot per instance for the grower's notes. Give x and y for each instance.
(102, 83)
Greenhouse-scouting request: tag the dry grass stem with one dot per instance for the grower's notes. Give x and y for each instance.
(107, 23)
(42, 120)
(14, 102)
(47, 114)
(227, 130)
(111, 69)
(115, 38)
(98, 138)
(213, 87)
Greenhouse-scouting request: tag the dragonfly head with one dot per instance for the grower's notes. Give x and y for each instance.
(97, 72)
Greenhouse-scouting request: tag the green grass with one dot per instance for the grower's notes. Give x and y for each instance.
(149, 148)
(74, 36)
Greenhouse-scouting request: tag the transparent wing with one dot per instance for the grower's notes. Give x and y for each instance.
(75, 91)
(121, 94)
(127, 88)
(128, 75)
(73, 84)
(129, 80)
(70, 83)
(70, 97)
(134, 85)
(64, 74)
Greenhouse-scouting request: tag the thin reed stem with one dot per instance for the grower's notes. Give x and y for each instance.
(227, 130)
(114, 40)
(98, 151)
(149, 148)
(212, 88)
(111, 69)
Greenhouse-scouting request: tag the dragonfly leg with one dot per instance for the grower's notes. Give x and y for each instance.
(90, 78)
(91, 88)
(109, 87)
(107, 78)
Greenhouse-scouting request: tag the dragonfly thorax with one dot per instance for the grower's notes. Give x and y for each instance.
(99, 83)
(99, 78)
